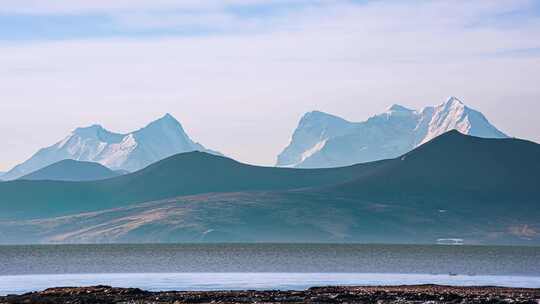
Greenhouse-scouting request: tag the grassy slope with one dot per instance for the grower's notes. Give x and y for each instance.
(287, 216)
(182, 174)
(455, 186)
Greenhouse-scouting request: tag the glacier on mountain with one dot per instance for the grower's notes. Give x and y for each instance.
(133, 151)
(323, 140)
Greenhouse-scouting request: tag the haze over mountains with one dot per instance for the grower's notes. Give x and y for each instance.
(323, 140)
(133, 151)
(455, 186)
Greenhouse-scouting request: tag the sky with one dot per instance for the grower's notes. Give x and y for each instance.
(239, 74)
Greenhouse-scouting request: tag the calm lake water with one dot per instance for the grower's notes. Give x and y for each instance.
(263, 266)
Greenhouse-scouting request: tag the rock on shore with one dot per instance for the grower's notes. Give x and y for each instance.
(396, 294)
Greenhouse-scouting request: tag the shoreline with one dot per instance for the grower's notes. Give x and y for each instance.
(329, 294)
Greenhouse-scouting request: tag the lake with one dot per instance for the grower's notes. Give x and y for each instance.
(26, 268)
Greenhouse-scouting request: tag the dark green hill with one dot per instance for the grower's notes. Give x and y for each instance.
(182, 174)
(456, 162)
(454, 170)
(484, 191)
(72, 170)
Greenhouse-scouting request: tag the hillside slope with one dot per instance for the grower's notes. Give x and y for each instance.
(454, 163)
(72, 170)
(282, 216)
(182, 174)
(484, 191)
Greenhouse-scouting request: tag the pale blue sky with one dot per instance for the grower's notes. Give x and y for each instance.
(239, 74)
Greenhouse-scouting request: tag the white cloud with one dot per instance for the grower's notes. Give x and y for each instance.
(243, 94)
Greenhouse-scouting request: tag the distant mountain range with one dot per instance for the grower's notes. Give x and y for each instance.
(322, 140)
(72, 170)
(484, 191)
(130, 152)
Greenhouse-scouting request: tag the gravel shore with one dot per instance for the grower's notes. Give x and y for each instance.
(394, 294)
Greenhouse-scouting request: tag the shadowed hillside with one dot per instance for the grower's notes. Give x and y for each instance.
(481, 190)
(455, 162)
(182, 174)
(72, 170)
(282, 216)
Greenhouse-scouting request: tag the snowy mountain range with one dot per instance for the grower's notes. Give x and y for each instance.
(323, 140)
(133, 151)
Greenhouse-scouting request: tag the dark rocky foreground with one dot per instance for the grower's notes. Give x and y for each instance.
(397, 294)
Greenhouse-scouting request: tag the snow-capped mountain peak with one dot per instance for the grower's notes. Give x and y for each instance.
(166, 119)
(320, 117)
(90, 131)
(313, 130)
(455, 115)
(390, 134)
(453, 101)
(168, 116)
(132, 151)
(96, 132)
(399, 111)
(395, 108)
(92, 128)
